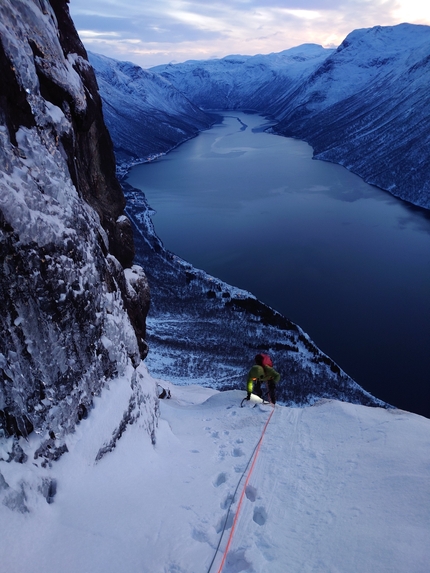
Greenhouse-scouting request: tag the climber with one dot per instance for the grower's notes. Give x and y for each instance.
(262, 371)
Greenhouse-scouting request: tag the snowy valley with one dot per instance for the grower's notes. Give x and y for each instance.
(364, 105)
(146, 114)
(97, 474)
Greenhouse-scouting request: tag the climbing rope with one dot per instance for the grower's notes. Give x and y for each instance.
(252, 459)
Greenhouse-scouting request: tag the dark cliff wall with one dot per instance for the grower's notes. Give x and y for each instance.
(89, 150)
(70, 318)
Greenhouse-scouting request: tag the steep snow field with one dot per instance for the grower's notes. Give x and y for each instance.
(335, 488)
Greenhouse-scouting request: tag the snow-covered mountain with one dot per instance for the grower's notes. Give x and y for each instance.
(150, 112)
(96, 473)
(365, 105)
(368, 107)
(145, 114)
(245, 82)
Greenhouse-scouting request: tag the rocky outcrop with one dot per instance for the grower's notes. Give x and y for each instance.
(71, 317)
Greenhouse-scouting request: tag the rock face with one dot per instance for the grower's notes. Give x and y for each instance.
(71, 317)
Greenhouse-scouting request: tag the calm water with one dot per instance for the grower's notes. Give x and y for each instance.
(346, 261)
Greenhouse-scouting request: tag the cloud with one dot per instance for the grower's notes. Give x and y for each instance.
(150, 33)
(161, 30)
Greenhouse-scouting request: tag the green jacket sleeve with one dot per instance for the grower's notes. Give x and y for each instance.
(271, 374)
(256, 373)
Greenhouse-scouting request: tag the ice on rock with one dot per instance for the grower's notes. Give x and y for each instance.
(61, 207)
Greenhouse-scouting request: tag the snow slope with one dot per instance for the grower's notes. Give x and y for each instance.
(335, 487)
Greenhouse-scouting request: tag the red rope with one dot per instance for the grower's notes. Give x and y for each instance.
(243, 493)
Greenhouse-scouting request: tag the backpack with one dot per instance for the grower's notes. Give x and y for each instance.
(267, 361)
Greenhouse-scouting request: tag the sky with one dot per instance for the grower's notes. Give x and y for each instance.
(150, 33)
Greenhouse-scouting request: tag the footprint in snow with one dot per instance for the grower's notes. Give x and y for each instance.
(225, 524)
(222, 453)
(227, 502)
(251, 493)
(260, 516)
(222, 478)
(199, 535)
(237, 562)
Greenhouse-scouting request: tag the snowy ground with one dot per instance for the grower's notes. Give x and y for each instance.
(335, 488)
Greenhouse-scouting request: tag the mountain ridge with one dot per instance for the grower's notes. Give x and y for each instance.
(364, 105)
(379, 129)
(156, 117)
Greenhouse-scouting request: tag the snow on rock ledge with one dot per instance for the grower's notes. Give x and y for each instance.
(125, 401)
